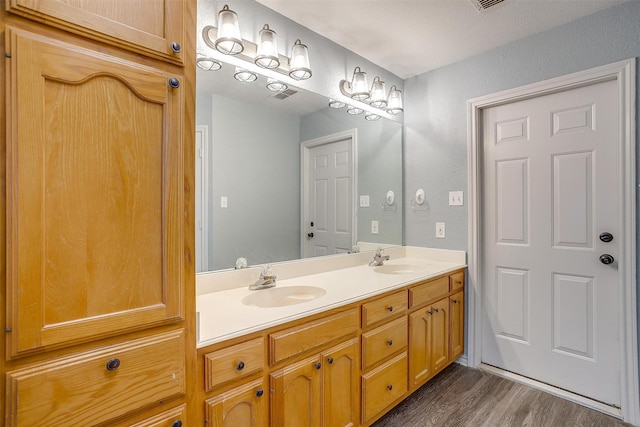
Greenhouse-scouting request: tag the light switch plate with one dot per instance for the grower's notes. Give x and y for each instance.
(223, 202)
(456, 198)
(374, 227)
(440, 230)
(364, 201)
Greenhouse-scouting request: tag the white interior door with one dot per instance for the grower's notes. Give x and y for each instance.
(551, 308)
(328, 197)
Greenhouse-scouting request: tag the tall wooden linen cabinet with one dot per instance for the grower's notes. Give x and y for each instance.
(97, 179)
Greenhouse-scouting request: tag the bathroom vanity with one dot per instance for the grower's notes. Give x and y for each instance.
(341, 348)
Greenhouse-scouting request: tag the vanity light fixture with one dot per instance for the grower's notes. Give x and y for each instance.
(228, 41)
(371, 117)
(245, 76)
(333, 103)
(378, 93)
(359, 85)
(206, 63)
(299, 68)
(267, 56)
(394, 103)
(275, 85)
(354, 110)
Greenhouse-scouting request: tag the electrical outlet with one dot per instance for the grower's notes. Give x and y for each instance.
(440, 230)
(374, 227)
(364, 201)
(223, 202)
(456, 198)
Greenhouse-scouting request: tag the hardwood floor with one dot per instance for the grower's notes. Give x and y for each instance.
(461, 396)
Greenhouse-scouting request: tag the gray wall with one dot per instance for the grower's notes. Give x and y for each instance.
(435, 114)
(379, 167)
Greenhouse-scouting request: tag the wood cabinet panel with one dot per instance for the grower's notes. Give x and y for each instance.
(457, 281)
(96, 213)
(90, 388)
(428, 292)
(341, 389)
(428, 341)
(456, 331)
(383, 386)
(233, 363)
(440, 336)
(384, 341)
(384, 308)
(300, 338)
(172, 418)
(296, 394)
(147, 26)
(247, 406)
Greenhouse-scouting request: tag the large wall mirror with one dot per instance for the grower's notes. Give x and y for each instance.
(260, 192)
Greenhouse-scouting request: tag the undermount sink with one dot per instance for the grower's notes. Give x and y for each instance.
(400, 269)
(281, 297)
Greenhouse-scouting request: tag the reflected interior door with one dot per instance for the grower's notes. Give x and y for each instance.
(551, 187)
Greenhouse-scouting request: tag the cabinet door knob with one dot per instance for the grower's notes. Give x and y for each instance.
(436, 310)
(113, 364)
(330, 360)
(259, 392)
(455, 301)
(430, 312)
(240, 366)
(318, 365)
(176, 423)
(175, 46)
(174, 83)
(390, 308)
(390, 342)
(390, 387)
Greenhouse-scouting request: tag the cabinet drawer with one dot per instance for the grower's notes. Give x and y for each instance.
(298, 339)
(82, 390)
(457, 281)
(233, 362)
(383, 341)
(429, 291)
(383, 386)
(383, 308)
(171, 418)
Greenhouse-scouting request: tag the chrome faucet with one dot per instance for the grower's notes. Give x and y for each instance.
(378, 258)
(267, 280)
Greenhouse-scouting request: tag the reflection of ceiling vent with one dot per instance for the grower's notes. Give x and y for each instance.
(285, 94)
(483, 5)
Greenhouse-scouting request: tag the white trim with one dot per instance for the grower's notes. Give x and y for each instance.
(624, 73)
(572, 397)
(204, 194)
(351, 134)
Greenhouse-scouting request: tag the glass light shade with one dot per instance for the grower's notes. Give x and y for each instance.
(354, 110)
(267, 56)
(378, 94)
(228, 41)
(359, 85)
(244, 76)
(371, 116)
(299, 68)
(275, 85)
(394, 102)
(206, 63)
(336, 104)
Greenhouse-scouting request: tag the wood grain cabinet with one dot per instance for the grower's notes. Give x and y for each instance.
(456, 331)
(428, 341)
(246, 405)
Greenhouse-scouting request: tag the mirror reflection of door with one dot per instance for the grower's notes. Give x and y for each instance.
(202, 201)
(329, 189)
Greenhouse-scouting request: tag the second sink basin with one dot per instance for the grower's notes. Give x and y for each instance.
(400, 269)
(280, 297)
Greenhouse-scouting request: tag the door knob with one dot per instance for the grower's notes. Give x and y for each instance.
(606, 237)
(606, 259)
(309, 235)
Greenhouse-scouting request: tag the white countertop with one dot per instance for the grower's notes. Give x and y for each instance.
(222, 314)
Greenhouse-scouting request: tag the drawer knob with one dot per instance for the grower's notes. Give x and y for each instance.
(459, 282)
(176, 423)
(175, 46)
(240, 366)
(174, 83)
(259, 392)
(390, 342)
(390, 308)
(389, 387)
(330, 360)
(318, 365)
(113, 364)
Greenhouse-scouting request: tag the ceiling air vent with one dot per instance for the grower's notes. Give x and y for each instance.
(484, 5)
(285, 94)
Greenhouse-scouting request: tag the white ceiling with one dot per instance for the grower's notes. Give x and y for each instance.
(410, 37)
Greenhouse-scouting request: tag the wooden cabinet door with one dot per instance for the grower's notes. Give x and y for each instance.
(296, 399)
(341, 391)
(440, 335)
(245, 406)
(420, 330)
(95, 195)
(457, 325)
(148, 26)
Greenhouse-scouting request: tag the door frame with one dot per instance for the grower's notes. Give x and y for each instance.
(624, 73)
(305, 147)
(203, 157)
